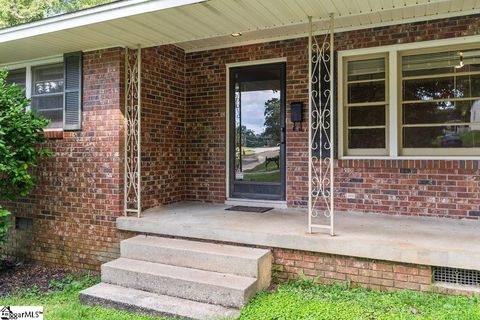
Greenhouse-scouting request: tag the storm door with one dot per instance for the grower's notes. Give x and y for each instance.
(257, 132)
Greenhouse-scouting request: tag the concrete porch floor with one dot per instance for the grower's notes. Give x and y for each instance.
(417, 240)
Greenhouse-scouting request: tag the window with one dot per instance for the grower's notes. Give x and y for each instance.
(18, 77)
(47, 93)
(415, 102)
(54, 87)
(440, 103)
(366, 106)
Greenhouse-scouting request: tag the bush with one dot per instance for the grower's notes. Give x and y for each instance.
(20, 132)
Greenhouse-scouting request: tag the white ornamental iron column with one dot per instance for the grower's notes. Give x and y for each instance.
(321, 129)
(133, 110)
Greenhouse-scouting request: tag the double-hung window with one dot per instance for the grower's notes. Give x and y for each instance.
(55, 89)
(47, 93)
(366, 106)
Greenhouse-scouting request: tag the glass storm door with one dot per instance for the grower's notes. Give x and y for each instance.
(257, 132)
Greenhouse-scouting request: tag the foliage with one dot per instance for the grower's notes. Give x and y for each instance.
(306, 300)
(294, 300)
(23, 11)
(20, 131)
(272, 121)
(63, 303)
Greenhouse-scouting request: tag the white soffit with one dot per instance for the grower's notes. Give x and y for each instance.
(196, 25)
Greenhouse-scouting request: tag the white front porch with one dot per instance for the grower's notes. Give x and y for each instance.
(416, 240)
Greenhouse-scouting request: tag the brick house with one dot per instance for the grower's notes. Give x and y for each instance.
(360, 122)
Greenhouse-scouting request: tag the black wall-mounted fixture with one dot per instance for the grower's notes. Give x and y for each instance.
(296, 114)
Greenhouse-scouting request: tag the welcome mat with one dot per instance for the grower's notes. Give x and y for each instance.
(249, 209)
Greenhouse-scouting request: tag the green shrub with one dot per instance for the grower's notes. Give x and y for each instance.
(20, 132)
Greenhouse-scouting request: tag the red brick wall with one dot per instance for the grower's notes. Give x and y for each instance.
(79, 191)
(206, 112)
(371, 274)
(357, 272)
(163, 125)
(433, 188)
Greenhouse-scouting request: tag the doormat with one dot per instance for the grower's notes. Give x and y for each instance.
(249, 209)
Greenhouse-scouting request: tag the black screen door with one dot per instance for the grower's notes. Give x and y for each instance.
(257, 132)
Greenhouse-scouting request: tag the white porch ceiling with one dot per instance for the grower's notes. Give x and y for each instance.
(196, 25)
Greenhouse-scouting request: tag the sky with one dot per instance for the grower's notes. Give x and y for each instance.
(253, 106)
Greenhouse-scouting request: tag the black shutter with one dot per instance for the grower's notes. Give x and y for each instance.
(72, 98)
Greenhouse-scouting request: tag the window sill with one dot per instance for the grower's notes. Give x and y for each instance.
(53, 134)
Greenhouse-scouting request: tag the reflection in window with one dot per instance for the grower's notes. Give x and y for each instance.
(257, 124)
(47, 93)
(17, 77)
(366, 106)
(441, 100)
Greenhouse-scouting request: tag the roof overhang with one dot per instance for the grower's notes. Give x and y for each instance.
(196, 25)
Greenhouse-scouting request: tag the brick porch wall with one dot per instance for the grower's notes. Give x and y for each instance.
(356, 272)
(79, 190)
(430, 188)
(366, 273)
(163, 125)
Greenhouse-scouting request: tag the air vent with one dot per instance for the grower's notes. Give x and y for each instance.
(456, 276)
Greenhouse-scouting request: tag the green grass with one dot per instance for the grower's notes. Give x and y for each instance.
(64, 304)
(305, 300)
(294, 300)
(262, 174)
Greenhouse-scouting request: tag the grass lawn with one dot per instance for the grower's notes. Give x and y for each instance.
(305, 300)
(262, 174)
(64, 304)
(295, 300)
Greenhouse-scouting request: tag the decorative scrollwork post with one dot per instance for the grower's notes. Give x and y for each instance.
(321, 127)
(133, 72)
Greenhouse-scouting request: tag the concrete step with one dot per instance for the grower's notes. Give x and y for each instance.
(199, 285)
(243, 261)
(196, 254)
(117, 297)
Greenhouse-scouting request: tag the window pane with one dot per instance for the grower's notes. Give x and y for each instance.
(439, 112)
(441, 62)
(366, 92)
(430, 63)
(55, 116)
(366, 116)
(17, 76)
(442, 88)
(468, 86)
(47, 95)
(428, 89)
(366, 69)
(442, 137)
(48, 79)
(366, 138)
(49, 102)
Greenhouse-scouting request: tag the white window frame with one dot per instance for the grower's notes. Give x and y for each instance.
(28, 65)
(394, 53)
(386, 103)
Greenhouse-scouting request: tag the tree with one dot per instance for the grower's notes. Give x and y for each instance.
(20, 133)
(23, 11)
(272, 121)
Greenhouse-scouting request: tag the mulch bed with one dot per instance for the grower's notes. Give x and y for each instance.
(27, 276)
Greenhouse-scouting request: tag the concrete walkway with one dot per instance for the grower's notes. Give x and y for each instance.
(419, 240)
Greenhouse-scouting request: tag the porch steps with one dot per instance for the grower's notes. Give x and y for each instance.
(208, 281)
(132, 300)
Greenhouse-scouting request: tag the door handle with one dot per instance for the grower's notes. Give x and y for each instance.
(282, 135)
